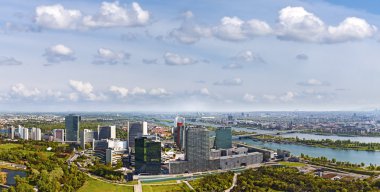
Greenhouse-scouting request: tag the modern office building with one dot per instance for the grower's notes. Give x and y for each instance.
(106, 132)
(72, 125)
(87, 136)
(35, 134)
(11, 132)
(147, 156)
(59, 135)
(223, 138)
(136, 130)
(199, 157)
(23, 133)
(179, 133)
(110, 150)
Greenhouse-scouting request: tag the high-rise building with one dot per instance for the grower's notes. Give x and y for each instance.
(110, 150)
(11, 132)
(25, 133)
(59, 135)
(136, 130)
(106, 132)
(72, 125)
(179, 133)
(147, 156)
(223, 138)
(197, 144)
(35, 134)
(86, 136)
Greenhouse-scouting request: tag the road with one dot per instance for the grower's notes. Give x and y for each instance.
(234, 180)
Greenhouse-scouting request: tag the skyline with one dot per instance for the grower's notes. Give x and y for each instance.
(189, 56)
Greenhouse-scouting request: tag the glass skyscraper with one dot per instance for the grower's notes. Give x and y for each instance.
(72, 124)
(147, 156)
(223, 138)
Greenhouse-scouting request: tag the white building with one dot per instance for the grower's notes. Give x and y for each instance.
(59, 135)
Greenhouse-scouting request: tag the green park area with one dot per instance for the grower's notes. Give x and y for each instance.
(165, 188)
(94, 185)
(292, 164)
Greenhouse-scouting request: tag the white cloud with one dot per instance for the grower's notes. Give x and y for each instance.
(351, 28)
(205, 91)
(233, 66)
(249, 98)
(115, 15)
(175, 59)
(119, 91)
(57, 17)
(235, 29)
(108, 56)
(313, 82)
(86, 90)
(248, 56)
(158, 92)
(21, 90)
(59, 53)
(9, 61)
(229, 82)
(289, 96)
(295, 23)
(190, 32)
(138, 91)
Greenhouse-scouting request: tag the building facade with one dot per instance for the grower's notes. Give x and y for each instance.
(109, 151)
(179, 132)
(59, 135)
(72, 125)
(223, 138)
(136, 130)
(147, 156)
(106, 132)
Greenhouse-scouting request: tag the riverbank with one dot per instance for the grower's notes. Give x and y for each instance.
(324, 143)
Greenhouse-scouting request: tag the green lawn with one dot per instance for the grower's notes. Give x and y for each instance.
(292, 164)
(160, 182)
(165, 188)
(7, 146)
(94, 185)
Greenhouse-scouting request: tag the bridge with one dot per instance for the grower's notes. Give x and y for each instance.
(248, 136)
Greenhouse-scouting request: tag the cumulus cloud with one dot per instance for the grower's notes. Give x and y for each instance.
(115, 15)
(158, 92)
(295, 23)
(302, 56)
(9, 61)
(21, 90)
(138, 91)
(110, 57)
(249, 98)
(59, 53)
(235, 29)
(57, 17)
(288, 96)
(111, 14)
(177, 60)
(204, 91)
(190, 32)
(313, 82)
(119, 91)
(233, 66)
(248, 56)
(85, 89)
(229, 82)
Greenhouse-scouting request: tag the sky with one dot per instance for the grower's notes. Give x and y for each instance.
(198, 55)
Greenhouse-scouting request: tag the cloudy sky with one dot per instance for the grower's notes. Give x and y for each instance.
(198, 55)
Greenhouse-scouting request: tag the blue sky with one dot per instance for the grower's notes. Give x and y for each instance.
(189, 55)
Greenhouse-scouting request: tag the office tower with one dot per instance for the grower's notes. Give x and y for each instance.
(11, 132)
(145, 128)
(59, 135)
(197, 145)
(72, 124)
(86, 136)
(35, 134)
(25, 133)
(136, 130)
(107, 132)
(110, 150)
(179, 134)
(147, 156)
(223, 138)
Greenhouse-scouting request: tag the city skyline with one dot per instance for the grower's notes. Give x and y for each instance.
(189, 55)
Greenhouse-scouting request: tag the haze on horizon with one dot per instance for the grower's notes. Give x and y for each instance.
(213, 55)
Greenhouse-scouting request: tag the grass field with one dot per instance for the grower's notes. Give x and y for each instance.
(7, 146)
(292, 164)
(165, 188)
(160, 182)
(94, 185)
